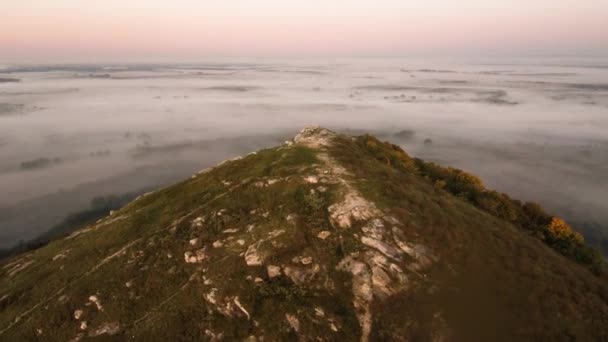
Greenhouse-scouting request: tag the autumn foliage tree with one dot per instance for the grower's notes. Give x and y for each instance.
(558, 230)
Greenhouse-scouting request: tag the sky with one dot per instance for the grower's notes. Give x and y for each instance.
(40, 31)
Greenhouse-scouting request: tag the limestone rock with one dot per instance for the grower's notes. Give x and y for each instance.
(273, 271)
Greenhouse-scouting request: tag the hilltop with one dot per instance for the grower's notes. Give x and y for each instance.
(326, 237)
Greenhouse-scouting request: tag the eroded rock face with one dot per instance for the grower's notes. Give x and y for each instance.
(362, 292)
(383, 267)
(301, 275)
(314, 137)
(376, 271)
(353, 208)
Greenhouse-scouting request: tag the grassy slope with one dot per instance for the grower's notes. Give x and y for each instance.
(149, 228)
(493, 281)
(498, 282)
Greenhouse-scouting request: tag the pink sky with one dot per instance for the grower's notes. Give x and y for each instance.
(186, 30)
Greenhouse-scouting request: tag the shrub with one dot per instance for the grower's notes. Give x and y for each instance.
(558, 230)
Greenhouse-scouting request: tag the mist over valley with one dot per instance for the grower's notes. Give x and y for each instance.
(535, 129)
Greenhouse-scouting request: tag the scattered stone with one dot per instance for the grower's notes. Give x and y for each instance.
(193, 242)
(275, 233)
(301, 275)
(20, 266)
(258, 280)
(95, 300)
(306, 260)
(293, 321)
(213, 336)
(78, 337)
(324, 235)
(240, 306)
(259, 184)
(423, 257)
(252, 256)
(392, 220)
(198, 222)
(195, 257)
(311, 179)
(83, 325)
(129, 284)
(106, 329)
(211, 297)
(241, 242)
(61, 255)
(230, 231)
(319, 312)
(217, 244)
(273, 271)
(78, 314)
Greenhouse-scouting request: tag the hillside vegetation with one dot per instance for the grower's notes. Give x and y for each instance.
(552, 230)
(326, 237)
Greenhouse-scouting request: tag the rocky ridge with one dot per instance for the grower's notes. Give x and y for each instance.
(311, 240)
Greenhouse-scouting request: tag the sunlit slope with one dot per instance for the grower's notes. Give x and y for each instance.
(325, 237)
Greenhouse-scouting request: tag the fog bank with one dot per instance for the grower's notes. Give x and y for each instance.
(535, 130)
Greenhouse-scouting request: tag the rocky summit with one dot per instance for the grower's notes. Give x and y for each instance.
(326, 237)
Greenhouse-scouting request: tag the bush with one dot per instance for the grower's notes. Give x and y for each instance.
(559, 230)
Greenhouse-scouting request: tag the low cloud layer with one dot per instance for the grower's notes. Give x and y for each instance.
(71, 133)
